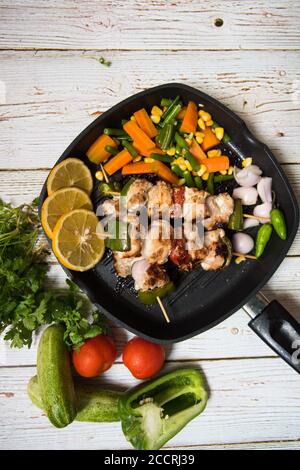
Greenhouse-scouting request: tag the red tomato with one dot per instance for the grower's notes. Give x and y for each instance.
(142, 358)
(96, 356)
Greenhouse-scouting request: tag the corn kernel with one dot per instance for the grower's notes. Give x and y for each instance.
(201, 112)
(155, 118)
(201, 124)
(188, 165)
(209, 123)
(205, 176)
(132, 118)
(199, 134)
(223, 172)
(202, 170)
(137, 159)
(171, 151)
(156, 111)
(247, 162)
(182, 167)
(219, 131)
(99, 175)
(148, 160)
(240, 259)
(214, 153)
(181, 182)
(188, 141)
(230, 170)
(191, 135)
(181, 161)
(206, 116)
(199, 140)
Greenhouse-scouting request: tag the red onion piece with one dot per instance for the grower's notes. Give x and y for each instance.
(248, 223)
(264, 189)
(248, 176)
(247, 195)
(263, 210)
(242, 243)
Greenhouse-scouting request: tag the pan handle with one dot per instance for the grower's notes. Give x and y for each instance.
(277, 328)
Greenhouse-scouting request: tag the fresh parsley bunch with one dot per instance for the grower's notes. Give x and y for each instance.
(26, 304)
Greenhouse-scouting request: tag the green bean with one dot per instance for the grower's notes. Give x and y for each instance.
(171, 116)
(130, 148)
(162, 158)
(123, 121)
(198, 182)
(166, 137)
(165, 102)
(278, 222)
(210, 184)
(189, 180)
(236, 220)
(111, 149)
(263, 236)
(115, 132)
(220, 178)
(226, 137)
(194, 164)
(177, 170)
(180, 141)
(178, 149)
(124, 137)
(171, 107)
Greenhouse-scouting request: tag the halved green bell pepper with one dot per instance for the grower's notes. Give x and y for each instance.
(149, 297)
(109, 189)
(155, 411)
(118, 236)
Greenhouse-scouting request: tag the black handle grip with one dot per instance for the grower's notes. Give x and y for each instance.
(276, 327)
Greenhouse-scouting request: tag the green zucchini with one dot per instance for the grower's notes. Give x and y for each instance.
(55, 377)
(93, 405)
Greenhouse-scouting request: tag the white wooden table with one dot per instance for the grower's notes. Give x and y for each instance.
(51, 87)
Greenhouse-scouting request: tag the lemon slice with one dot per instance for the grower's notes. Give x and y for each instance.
(76, 240)
(61, 202)
(70, 172)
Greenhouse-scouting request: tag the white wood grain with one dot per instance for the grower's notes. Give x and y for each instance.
(249, 401)
(50, 96)
(149, 24)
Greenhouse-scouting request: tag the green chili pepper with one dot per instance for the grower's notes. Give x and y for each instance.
(236, 221)
(221, 178)
(109, 189)
(149, 297)
(162, 158)
(111, 149)
(165, 102)
(155, 411)
(278, 222)
(227, 243)
(130, 148)
(166, 136)
(172, 115)
(263, 236)
(226, 137)
(189, 180)
(119, 237)
(194, 164)
(210, 188)
(177, 170)
(198, 182)
(115, 132)
(126, 187)
(180, 141)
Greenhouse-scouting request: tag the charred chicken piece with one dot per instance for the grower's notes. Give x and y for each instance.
(138, 194)
(215, 257)
(180, 256)
(220, 208)
(157, 244)
(148, 276)
(194, 204)
(160, 199)
(124, 265)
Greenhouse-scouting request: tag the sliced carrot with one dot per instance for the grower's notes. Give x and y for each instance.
(138, 135)
(156, 167)
(181, 113)
(147, 153)
(197, 151)
(145, 123)
(189, 123)
(97, 153)
(117, 162)
(215, 164)
(210, 139)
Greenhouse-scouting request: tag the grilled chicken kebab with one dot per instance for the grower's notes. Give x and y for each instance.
(150, 250)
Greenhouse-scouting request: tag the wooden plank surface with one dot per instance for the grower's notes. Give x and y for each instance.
(51, 96)
(149, 24)
(249, 401)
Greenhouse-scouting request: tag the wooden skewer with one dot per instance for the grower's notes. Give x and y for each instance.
(163, 309)
(245, 256)
(249, 216)
(104, 174)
